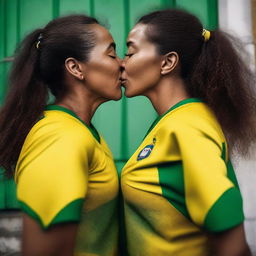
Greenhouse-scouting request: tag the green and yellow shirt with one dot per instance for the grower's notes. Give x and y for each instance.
(65, 173)
(179, 185)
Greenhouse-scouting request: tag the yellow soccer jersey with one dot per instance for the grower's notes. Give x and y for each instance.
(65, 172)
(179, 185)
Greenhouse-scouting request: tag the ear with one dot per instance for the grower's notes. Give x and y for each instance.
(74, 68)
(169, 62)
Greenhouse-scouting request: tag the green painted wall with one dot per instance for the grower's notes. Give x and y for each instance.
(122, 123)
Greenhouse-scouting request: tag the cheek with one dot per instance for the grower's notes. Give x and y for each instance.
(103, 72)
(142, 72)
(102, 78)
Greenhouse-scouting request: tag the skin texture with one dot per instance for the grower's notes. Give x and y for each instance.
(157, 77)
(102, 71)
(150, 74)
(91, 83)
(230, 243)
(88, 84)
(141, 59)
(57, 241)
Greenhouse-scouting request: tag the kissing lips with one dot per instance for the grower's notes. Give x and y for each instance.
(123, 81)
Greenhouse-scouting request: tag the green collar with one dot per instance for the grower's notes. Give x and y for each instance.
(183, 102)
(91, 128)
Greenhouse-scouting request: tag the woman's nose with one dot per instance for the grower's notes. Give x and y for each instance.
(119, 60)
(122, 63)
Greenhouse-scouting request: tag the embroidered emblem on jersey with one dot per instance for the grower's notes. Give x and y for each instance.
(145, 152)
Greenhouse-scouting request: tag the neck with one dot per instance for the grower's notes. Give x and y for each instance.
(168, 92)
(82, 103)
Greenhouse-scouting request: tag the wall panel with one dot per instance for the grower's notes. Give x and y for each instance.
(11, 24)
(10, 194)
(2, 85)
(76, 6)
(2, 191)
(2, 48)
(123, 123)
(31, 18)
(108, 118)
(205, 10)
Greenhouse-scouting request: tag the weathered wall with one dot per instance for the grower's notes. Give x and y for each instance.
(235, 17)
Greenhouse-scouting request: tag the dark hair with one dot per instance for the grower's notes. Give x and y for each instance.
(212, 70)
(38, 66)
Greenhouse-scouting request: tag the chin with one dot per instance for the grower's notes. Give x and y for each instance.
(129, 94)
(131, 90)
(117, 96)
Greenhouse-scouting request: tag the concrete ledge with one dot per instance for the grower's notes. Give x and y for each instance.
(10, 233)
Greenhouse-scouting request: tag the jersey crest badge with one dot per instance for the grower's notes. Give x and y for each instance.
(146, 151)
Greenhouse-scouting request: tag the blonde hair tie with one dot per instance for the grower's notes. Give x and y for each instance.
(206, 34)
(38, 42)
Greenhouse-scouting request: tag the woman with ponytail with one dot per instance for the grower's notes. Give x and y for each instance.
(65, 174)
(181, 196)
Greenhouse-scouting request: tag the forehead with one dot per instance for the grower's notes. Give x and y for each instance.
(102, 34)
(138, 34)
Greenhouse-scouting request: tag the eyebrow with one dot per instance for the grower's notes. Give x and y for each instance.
(112, 45)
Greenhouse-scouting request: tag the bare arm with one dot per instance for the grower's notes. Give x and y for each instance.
(58, 240)
(230, 243)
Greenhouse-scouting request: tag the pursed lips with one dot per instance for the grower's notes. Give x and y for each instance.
(123, 79)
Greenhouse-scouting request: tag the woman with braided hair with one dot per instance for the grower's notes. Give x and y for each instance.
(65, 174)
(181, 196)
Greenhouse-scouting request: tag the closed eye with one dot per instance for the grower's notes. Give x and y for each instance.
(128, 54)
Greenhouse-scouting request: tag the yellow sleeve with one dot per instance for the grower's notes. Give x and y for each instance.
(52, 176)
(212, 197)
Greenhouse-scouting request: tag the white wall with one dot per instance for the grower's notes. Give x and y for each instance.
(235, 17)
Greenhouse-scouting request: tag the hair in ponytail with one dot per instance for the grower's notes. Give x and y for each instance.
(24, 103)
(38, 67)
(221, 77)
(212, 69)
